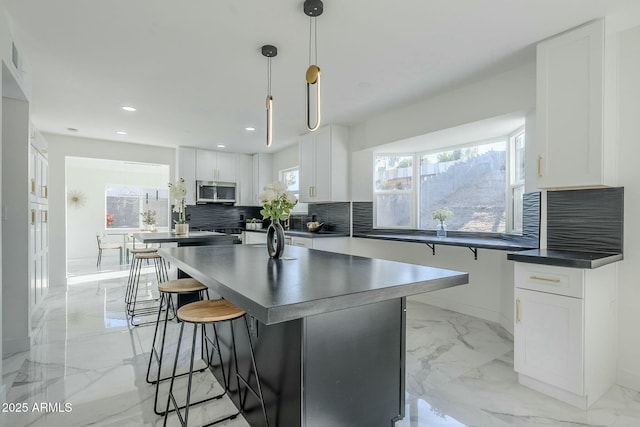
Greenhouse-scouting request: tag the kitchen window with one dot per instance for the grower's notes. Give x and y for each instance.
(481, 183)
(291, 179)
(125, 204)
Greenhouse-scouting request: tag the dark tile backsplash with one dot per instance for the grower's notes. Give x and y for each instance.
(586, 220)
(336, 216)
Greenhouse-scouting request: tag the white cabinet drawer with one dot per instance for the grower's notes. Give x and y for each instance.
(302, 242)
(554, 280)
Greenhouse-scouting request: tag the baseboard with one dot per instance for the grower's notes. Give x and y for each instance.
(17, 345)
(629, 379)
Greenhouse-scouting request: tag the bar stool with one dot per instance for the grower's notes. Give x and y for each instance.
(213, 312)
(167, 290)
(149, 306)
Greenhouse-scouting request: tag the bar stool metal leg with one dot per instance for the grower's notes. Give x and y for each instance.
(257, 393)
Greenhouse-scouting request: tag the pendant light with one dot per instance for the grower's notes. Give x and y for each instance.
(313, 9)
(269, 51)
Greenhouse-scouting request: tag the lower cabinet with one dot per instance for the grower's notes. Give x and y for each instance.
(250, 238)
(330, 244)
(564, 332)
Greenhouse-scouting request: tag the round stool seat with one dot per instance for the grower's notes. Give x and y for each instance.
(179, 286)
(209, 311)
(148, 255)
(142, 250)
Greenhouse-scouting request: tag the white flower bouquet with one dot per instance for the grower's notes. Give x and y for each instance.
(276, 201)
(178, 192)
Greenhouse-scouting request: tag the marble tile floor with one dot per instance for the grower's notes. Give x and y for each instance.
(459, 372)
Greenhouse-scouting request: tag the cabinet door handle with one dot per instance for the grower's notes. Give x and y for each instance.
(518, 311)
(33, 217)
(45, 216)
(33, 186)
(310, 191)
(544, 279)
(45, 191)
(539, 166)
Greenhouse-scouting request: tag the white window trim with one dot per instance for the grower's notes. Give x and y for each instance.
(414, 215)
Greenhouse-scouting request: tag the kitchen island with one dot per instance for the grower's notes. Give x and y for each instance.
(328, 329)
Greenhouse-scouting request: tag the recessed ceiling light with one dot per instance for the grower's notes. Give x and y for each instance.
(121, 132)
(129, 108)
(250, 129)
(220, 146)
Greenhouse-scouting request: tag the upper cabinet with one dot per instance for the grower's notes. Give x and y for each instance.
(324, 165)
(194, 164)
(262, 174)
(215, 166)
(254, 172)
(572, 150)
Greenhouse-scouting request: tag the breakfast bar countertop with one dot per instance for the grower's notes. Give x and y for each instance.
(305, 282)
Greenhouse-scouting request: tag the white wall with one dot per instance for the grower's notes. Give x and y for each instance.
(61, 146)
(284, 159)
(629, 177)
(489, 294)
(91, 178)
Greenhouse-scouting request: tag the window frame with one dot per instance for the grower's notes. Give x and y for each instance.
(509, 140)
(412, 192)
(142, 196)
(300, 208)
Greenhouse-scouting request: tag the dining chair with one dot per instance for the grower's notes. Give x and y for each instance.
(102, 245)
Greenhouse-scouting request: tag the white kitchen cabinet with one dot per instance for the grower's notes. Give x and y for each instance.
(572, 147)
(324, 165)
(215, 166)
(38, 220)
(302, 242)
(254, 172)
(252, 237)
(186, 169)
(564, 331)
(262, 174)
(244, 187)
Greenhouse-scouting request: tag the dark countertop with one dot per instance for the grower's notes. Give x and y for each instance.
(474, 242)
(562, 258)
(190, 237)
(308, 234)
(306, 281)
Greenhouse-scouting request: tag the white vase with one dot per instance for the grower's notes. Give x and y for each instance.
(182, 228)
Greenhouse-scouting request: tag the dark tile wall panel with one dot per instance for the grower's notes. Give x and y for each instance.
(362, 217)
(336, 216)
(531, 217)
(586, 220)
(213, 215)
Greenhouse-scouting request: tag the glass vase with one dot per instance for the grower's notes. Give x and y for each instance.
(275, 239)
(441, 231)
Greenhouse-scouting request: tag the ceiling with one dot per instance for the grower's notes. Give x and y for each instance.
(195, 73)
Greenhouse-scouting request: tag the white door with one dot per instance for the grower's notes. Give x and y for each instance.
(226, 167)
(549, 340)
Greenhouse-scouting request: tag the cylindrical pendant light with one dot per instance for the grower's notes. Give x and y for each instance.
(269, 51)
(313, 9)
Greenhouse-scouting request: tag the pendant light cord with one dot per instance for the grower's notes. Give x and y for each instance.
(269, 76)
(313, 40)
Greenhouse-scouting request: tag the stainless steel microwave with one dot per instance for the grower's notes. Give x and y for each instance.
(215, 192)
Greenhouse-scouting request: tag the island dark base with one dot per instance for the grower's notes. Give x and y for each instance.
(339, 369)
